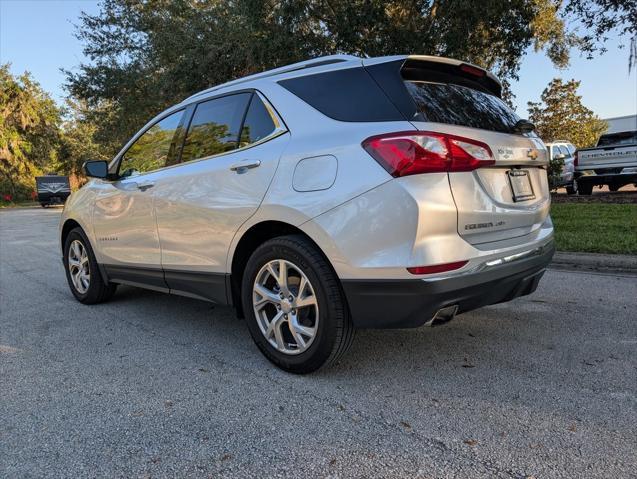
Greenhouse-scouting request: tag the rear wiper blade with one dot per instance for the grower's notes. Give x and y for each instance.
(523, 126)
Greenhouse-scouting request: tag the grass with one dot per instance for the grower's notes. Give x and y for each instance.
(596, 228)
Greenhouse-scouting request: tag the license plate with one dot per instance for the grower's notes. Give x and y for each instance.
(521, 185)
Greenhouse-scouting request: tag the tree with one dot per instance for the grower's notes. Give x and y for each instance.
(600, 17)
(78, 142)
(29, 132)
(560, 114)
(146, 55)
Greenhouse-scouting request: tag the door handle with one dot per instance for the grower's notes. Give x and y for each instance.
(145, 186)
(245, 165)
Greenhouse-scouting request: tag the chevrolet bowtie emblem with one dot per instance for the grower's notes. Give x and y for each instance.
(532, 153)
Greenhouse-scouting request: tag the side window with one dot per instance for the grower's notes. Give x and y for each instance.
(555, 151)
(215, 127)
(571, 148)
(565, 151)
(258, 123)
(154, 149)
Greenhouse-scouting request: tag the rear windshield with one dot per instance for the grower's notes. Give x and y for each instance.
(624, 138)
(459, 105)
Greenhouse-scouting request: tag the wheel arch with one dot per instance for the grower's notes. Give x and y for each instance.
(67, 227)
(250, 240)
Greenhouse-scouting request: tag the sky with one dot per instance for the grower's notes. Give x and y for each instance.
(38, 36)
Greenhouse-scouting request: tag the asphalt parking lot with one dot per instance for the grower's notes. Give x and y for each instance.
(151, 385)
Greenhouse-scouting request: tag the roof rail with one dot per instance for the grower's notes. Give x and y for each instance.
(315, 62)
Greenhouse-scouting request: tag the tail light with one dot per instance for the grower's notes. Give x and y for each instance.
(414, 152)
(576, 161)
(437, 268)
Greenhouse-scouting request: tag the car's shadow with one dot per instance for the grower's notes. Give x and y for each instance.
(481, 345)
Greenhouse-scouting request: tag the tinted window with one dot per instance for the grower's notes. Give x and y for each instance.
(459, 105)
(215, 127)
(624, 138)
(345, 95)
(258, 123)
(154, 149)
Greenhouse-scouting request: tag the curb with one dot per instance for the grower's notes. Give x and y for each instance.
(604, 263)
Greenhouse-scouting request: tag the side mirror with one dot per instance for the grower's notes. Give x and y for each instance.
(96, 169)
(559, 156)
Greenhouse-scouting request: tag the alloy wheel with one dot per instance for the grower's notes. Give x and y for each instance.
(79, 267)
(285, 306)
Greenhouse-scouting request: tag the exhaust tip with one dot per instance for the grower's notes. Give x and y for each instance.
(443, 315)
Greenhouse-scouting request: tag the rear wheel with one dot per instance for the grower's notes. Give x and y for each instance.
(294, 305)
(585, 188)
(82, 271)
(572, 188)
(613, 187)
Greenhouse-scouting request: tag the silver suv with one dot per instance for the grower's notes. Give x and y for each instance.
(321, 197)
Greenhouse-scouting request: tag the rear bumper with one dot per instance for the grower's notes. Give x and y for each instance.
(412, 303)
(617, 178)
(47, 197)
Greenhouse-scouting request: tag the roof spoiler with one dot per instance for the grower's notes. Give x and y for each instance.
(390, 73)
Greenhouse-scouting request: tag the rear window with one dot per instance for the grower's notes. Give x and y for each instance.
(617, 139)
(459, 105)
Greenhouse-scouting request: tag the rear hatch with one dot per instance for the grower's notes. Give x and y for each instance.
(505, 197)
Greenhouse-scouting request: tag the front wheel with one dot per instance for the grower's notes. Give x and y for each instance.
(294, 305)
(572, 188)
(82, 270)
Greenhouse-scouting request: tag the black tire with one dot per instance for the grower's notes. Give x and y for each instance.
(613, 188)
(98, 291)
(585, 188)
(572, 188)
(43, 205)
(334, 331)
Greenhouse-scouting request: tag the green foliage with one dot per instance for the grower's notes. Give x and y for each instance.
(554, 171)
(599, 18)
(78, 143)
(29, 133)
(560, 114)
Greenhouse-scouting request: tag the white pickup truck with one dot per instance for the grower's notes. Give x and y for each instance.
(612, 162)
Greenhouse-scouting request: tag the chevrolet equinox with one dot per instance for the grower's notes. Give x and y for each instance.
(317, 198)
